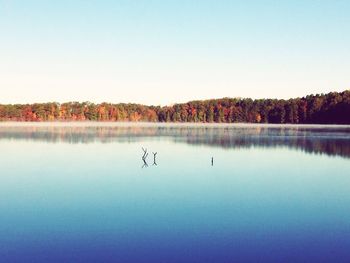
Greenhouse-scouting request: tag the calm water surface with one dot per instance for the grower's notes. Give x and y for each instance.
(81, 193)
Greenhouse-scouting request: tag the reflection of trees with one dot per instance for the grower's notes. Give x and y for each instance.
(331, 141)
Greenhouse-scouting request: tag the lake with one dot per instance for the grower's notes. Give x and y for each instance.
(80, 192)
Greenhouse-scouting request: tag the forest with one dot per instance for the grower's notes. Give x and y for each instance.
(331, 108)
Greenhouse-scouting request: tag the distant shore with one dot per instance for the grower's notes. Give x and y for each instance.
(331, 108)
(158, 124)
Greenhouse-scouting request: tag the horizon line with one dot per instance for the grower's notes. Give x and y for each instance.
(176, 103)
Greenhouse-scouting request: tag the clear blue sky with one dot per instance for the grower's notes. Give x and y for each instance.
(161, 52)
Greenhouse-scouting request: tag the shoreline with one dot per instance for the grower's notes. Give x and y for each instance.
(160, 124)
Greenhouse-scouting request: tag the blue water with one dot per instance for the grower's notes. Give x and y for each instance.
(81, 193)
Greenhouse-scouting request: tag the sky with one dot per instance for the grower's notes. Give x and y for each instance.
(161, 52)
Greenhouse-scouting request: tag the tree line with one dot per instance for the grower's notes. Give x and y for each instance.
(331, 108)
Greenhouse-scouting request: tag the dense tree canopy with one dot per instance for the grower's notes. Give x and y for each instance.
(331, 108)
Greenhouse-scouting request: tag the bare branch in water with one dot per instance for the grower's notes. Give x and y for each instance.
(154, 158)
(144, 153)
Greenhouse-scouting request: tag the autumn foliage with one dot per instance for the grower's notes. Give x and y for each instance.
(331, 108)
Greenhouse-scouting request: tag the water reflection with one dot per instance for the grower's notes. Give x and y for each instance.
(333, 140)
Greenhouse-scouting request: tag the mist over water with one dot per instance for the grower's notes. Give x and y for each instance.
(330, 140)
(80, 192)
